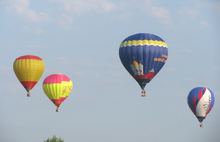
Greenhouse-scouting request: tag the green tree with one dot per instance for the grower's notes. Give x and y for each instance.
(54, 139)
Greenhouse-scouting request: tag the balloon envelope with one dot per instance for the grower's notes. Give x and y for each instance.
(57, 87)
(143, 55)
(201, 100)
(28, 69)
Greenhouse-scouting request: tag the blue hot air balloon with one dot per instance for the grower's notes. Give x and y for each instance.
(200, 101)
(143, 55)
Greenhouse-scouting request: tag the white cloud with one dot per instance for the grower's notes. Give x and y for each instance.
(191, 13)
(70, 7)
(36, 31)
(83, 6)
(214, 5)
(65, 21)
(124, 14)
(205, 24)
(158, 12)
(217, 69)
(22, 7)
(161, 14)
(187, 15)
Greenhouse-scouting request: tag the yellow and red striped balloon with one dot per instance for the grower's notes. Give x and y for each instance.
(57, 87)
(28, 69)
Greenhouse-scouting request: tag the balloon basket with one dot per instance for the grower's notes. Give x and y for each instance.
(28, 94)
(143, 94)
(57, 110)
(201, 125)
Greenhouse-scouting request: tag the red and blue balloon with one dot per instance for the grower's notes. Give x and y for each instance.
(201, 101)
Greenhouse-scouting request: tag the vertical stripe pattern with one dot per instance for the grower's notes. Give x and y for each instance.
(28, 69)
(143, 55)
(201, 101)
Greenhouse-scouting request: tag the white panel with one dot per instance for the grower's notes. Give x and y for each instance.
(203, 105)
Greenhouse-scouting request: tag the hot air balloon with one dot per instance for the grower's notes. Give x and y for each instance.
(143, 55)
(28, 69)
(57, 87)
(200, 101)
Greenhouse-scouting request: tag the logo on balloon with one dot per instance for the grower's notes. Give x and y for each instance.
(206, 104)
(67, 89)
(137, 69)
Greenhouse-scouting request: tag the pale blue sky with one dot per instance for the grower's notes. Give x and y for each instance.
(81, 38)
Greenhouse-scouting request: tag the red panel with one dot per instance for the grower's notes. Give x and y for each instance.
(55, 78)
(29, 57)
(200, 95)
(150, 75)
(57, 102)
(194, 102)
(29, 84)
(208, 110)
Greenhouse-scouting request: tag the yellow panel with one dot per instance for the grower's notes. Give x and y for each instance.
(57, 90)
(28, 69)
